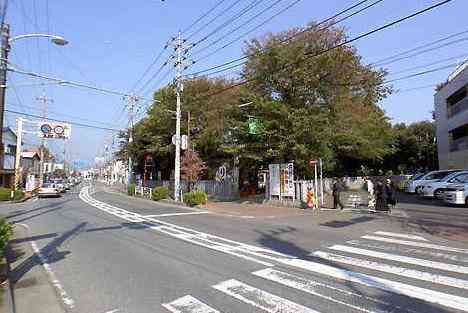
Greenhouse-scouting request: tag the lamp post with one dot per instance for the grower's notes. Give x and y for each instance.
(5, 43)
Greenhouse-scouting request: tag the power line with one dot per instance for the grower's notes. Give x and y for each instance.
(213, 19)
(340, 44)
(143, 88)
(62, 121)
(240, 26)
(422, 73)
(246, 9)
(331, 18)
(249, 31)
(429, 64)
(159, 81)
(203, 16)
(150, 67)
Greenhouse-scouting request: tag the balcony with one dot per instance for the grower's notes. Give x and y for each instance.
(458, 107)
(459, 144)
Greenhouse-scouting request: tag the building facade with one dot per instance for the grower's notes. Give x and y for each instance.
(451, 115)
(9, 147)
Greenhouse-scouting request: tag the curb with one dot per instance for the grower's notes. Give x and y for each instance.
(9, 287)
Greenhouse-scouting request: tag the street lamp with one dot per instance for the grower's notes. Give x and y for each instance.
(5, 43)
(58, 40)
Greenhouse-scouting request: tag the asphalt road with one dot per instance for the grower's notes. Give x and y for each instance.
(112, 253)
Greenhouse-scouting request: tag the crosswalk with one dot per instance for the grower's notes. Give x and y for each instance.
(425, 281)
(380, 272)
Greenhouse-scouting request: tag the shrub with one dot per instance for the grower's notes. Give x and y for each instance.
(131, 189)
(6, 230)
(195, 198)
(19, 195)
(160, 193)
(5, 194)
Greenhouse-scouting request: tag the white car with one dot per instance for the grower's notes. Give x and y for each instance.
(457, 194)
(436, 189)
(415, 186)
(48, 190)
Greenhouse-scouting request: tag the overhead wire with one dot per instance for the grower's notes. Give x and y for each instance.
(307, 29)
(224, 11)
(146, 71)
(238, 15)
(432, 63)
(310, 55)
(203, 16)
(250, 20)
(62, 121)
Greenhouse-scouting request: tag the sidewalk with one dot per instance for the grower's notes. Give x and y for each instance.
(32, 289)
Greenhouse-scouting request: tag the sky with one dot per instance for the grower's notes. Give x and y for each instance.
(112, 43)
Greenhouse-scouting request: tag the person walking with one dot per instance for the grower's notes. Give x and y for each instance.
(390, 193)
(337, 189)
(380, 197)
(371, 192)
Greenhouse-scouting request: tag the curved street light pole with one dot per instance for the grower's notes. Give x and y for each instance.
(5, 42)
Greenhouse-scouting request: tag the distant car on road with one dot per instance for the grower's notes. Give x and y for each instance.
(48, 190)
(437, 188)
(457, 194)
(415, 186)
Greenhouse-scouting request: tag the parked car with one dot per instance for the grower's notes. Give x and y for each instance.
(48, 190)
(437, 188)
(415, 186)
(60, 185)
(457, 194)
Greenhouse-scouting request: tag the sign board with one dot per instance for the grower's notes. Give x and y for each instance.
(282, 180)
(313, 162)
(54, 130)
(184, 143)
(221, 173)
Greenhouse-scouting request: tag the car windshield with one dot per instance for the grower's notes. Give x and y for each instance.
(438, 175)
(417, 176)
(48, 185)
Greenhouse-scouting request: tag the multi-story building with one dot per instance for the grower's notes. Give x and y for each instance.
(451, 115)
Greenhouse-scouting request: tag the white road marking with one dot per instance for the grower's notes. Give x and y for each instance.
(427, 295)
(66, 299)
(376, 266)
(451, 257)
(259, 298)
(189, 304)
(416, 244)
(316, 289)
(177, 214)
(402, 259)
(407, 236)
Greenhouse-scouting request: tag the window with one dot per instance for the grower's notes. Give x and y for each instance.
(10, 149)
(459, 138)
(457, 102)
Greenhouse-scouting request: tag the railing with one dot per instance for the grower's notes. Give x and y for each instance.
(459, 144)
(458, 107)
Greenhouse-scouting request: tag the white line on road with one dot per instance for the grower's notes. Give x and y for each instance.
(402, 259)
(416, 244)
(177, 214)
(424, 294)
(259, 298)
(376, 266)
(317, 289)
(407, 236)
(400, 249)
(189, 304)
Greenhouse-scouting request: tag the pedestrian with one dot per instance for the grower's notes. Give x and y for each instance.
(380, 198)
(371, 192)
(390, 193)
(337, 189)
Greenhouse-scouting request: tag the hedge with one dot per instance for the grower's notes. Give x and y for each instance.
(195, 198)
(5, 194)
(160, 193)
(6, 230)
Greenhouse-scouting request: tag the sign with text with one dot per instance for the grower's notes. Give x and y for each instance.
(54, 130)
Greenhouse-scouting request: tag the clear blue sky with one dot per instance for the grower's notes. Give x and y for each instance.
(112, 42)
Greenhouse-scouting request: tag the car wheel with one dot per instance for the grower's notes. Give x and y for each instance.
(418, 190)
(466, 202)
(438, 194)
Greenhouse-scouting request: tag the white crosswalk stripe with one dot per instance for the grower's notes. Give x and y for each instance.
(407, 236)
(424, 294)
(403, 259)
(189, 304)
(397, 270)
(259, 298)
(416, 244)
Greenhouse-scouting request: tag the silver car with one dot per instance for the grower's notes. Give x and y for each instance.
(437, 188)
(415, 186)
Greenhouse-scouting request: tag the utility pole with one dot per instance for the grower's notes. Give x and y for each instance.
(4, 47)
(45, 102)
(19, 139)
(180, 64)
(131, 107)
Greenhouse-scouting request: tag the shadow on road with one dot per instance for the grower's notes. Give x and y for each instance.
(381, 300)
(50, 252)
(52, 207)
(355, 220)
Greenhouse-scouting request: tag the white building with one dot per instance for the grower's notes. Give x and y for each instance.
(451, 114)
